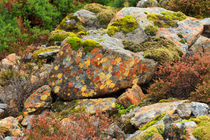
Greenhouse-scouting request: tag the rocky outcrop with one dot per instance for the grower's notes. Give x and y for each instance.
(98, 71)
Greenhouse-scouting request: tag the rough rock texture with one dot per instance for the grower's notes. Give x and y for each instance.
(38, 100)
(147, 3)
(202, 45)
(183, 130)
(199, 109)
(12, 124)
(10, 60)
(190, 28)
(48, 52)
(206, 23)
(89, 19)
(2, 109)
(102, 71)
(132, 96)
(184, 110)
(101, 104)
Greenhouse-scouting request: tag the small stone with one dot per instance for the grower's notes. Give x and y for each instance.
(184, 110)
(132, 96)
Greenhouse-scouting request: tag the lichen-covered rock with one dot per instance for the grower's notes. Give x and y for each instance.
(58, 35)
(199, 109)
(3, 107)
(183, 130)
(10, 60)
(132, 96)
(141, 115)
(170, 24)
(100, 104)
(47, 52)
(206, 24)
(202, 45)
(184, 110)
(38, 100)
(147, 3)
(99, 71)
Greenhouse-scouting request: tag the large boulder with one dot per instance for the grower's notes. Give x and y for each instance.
(147, 3)
(182, 30)
(97, 69)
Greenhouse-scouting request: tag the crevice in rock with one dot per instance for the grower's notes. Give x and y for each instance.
(206, 31)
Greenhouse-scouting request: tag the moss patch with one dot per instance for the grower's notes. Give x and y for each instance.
(104, 13)
(89, 45)
(151, 30)
(202, 130)
(159, 48)
(166, 19)
(64, 109)
(44, 50)
(71, 23)
(153, 121)
(58, 35)
(75, 42)
(125, 24)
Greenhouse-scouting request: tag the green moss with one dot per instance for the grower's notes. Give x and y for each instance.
(166, 19)
(180, 35)
(159, 48)
(81, 33)
(95, 7)
(183, 121)
(89, 45)
(125, 24)
(153, 121)
(105, 16)
(44, 50)
(183, 41)
(152, 130)
(165, 101)
(75, 25)
(58, 35)
(151, 30)
(202, 130)
(75, 42)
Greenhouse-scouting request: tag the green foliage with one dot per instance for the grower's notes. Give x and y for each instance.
(122, 110)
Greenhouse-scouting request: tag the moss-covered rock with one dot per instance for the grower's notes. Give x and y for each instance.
(159, 48)
(153, 121)
(202, 130)
(104, 13)
(75, 42)
(89, 45)
(71, 23)
(125, 24)
(58, 35)
(166, 19)
(45, 50)
(151, 30)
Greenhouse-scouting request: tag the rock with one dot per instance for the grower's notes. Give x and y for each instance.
(89, 19)
(34, 79)
(132, 96)
(206, 24)
(12, 124)
(101, 104)
(100, 71)
(184, 110)
(164, 3)
(10, 60)
(141, 115)
(184, 31)
(199, 109)
(147, 3)
(10, 138)
(202, 45)
(3, 107)
(114, 131)
(48, 52)
(38, 100)
(183, 130)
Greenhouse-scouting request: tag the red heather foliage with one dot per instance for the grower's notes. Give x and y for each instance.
(76, 126)
(183, 79)
(197, 8)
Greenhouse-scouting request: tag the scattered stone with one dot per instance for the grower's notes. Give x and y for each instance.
(132, 96)
(10, 60)
(147, 3)
(101, 104)
(99, 71)
(38, 100)
(199, 109)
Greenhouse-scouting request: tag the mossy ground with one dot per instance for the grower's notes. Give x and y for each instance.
(159, 48)
(71, 23)
(166, 19)
(125, 24)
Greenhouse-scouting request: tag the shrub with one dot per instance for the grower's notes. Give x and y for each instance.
(197, 8)
(183, 79)
(76, 126)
